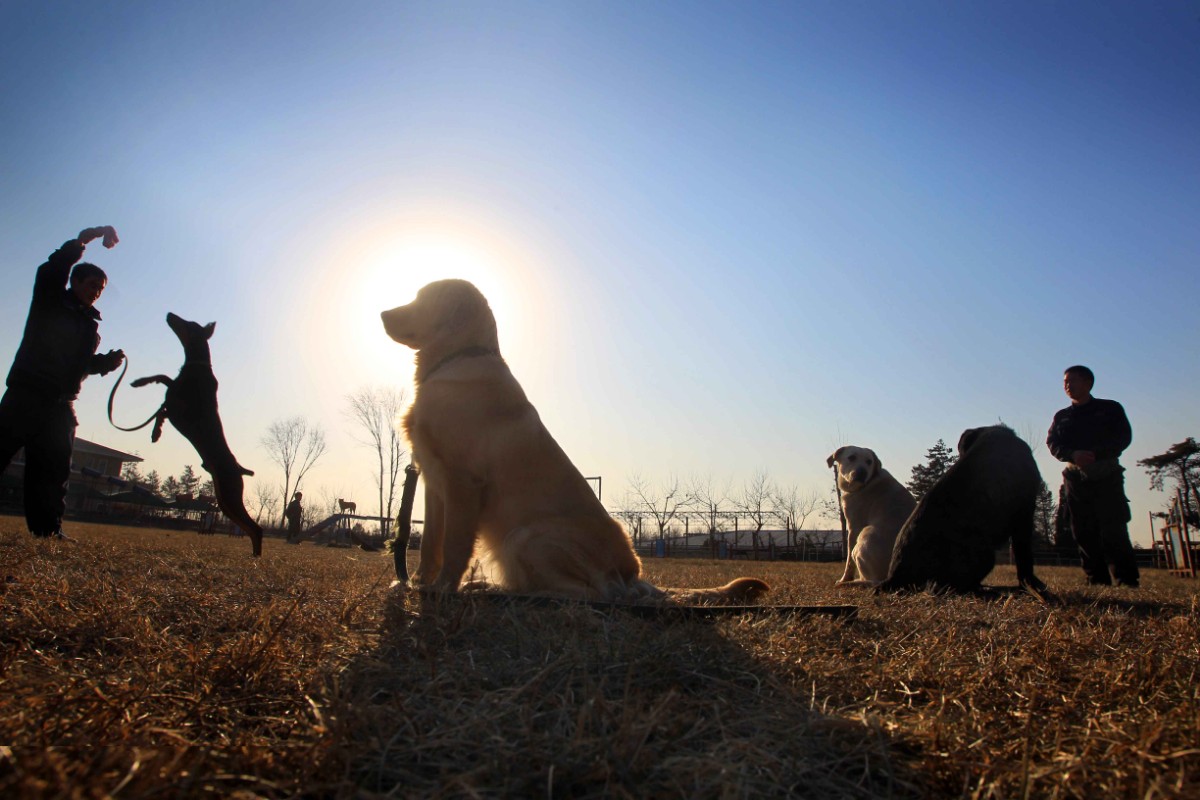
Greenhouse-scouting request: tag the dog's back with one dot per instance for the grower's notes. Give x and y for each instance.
(192, 408)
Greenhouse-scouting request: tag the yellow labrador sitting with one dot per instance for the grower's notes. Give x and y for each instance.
(876, 507)
(493, 472)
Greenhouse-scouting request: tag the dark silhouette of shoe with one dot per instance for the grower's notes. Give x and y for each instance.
(54, 534)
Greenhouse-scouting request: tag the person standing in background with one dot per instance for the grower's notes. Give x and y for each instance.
(1089, 435)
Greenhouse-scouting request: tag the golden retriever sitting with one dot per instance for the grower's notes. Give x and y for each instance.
(493, 472)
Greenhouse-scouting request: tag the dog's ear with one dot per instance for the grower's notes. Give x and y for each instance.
(836, 455)
(878, 463)
(208, 330)
(968, 439)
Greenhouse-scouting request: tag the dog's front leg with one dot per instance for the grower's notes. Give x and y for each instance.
(432, 535)
(851, 543)
(459, 531)
(163, 379)
(1021, 534)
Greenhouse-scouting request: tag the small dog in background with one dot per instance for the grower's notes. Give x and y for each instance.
(876, 506)
(347, 506)
(191, 406)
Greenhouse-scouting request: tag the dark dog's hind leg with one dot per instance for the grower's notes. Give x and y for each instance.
(228, 488)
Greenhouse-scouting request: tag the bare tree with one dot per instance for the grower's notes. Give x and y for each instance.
(374, 412)
(793, 508)
(295, 446)
(754, 503)
(264, 495)
(630, 517)
(661, 504)
(708, 500)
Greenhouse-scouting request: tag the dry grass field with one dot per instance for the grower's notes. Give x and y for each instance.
(142, 663)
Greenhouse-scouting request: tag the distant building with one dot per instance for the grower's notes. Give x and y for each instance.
(95, 473)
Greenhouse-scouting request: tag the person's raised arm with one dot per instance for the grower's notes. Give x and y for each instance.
(52, 275)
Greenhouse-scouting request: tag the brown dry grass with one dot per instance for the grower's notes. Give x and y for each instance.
(142, 663)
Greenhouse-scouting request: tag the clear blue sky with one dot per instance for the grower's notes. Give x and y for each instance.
(719, 238)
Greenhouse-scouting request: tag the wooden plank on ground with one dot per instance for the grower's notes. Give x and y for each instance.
(661, 610)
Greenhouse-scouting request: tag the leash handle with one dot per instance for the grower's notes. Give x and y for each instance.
(113, 394)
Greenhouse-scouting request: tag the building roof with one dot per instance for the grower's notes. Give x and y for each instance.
(85, 446)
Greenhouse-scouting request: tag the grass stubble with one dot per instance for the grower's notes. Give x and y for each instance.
(141, 663)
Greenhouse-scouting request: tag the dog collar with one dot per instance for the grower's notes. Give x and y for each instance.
(474, 351)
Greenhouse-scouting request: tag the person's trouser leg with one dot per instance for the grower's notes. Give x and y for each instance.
(48, 470)
(1086, 530)
(18, 416)
(1112, 511)
(23, 414)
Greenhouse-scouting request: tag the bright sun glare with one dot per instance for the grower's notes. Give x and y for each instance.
(386, 274)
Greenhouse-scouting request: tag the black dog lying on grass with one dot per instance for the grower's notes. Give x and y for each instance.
(191, 405)
(985, 499)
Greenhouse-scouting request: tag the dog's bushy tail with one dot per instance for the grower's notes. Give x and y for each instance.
(738, 590)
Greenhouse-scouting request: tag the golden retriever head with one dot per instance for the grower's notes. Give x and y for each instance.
(856, 467)
(445, 317)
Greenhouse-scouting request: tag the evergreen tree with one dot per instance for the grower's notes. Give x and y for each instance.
(189, 481)
(1063, 538)
(937, 460)
(171, 487)
(1045, 518)
(1180, 463)
(132, 473)
(153, 482)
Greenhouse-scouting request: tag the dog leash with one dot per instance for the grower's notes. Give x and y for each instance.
(113, 394)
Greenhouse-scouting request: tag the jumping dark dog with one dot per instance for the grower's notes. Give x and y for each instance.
(191, 406)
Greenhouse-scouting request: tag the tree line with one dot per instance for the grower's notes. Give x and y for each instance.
(189, 482)
(660, 510)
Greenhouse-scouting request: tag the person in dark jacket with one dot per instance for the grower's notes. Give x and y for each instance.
(1089, 435)
(57, 351)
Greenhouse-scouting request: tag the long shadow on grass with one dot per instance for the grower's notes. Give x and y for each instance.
(468, 697)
